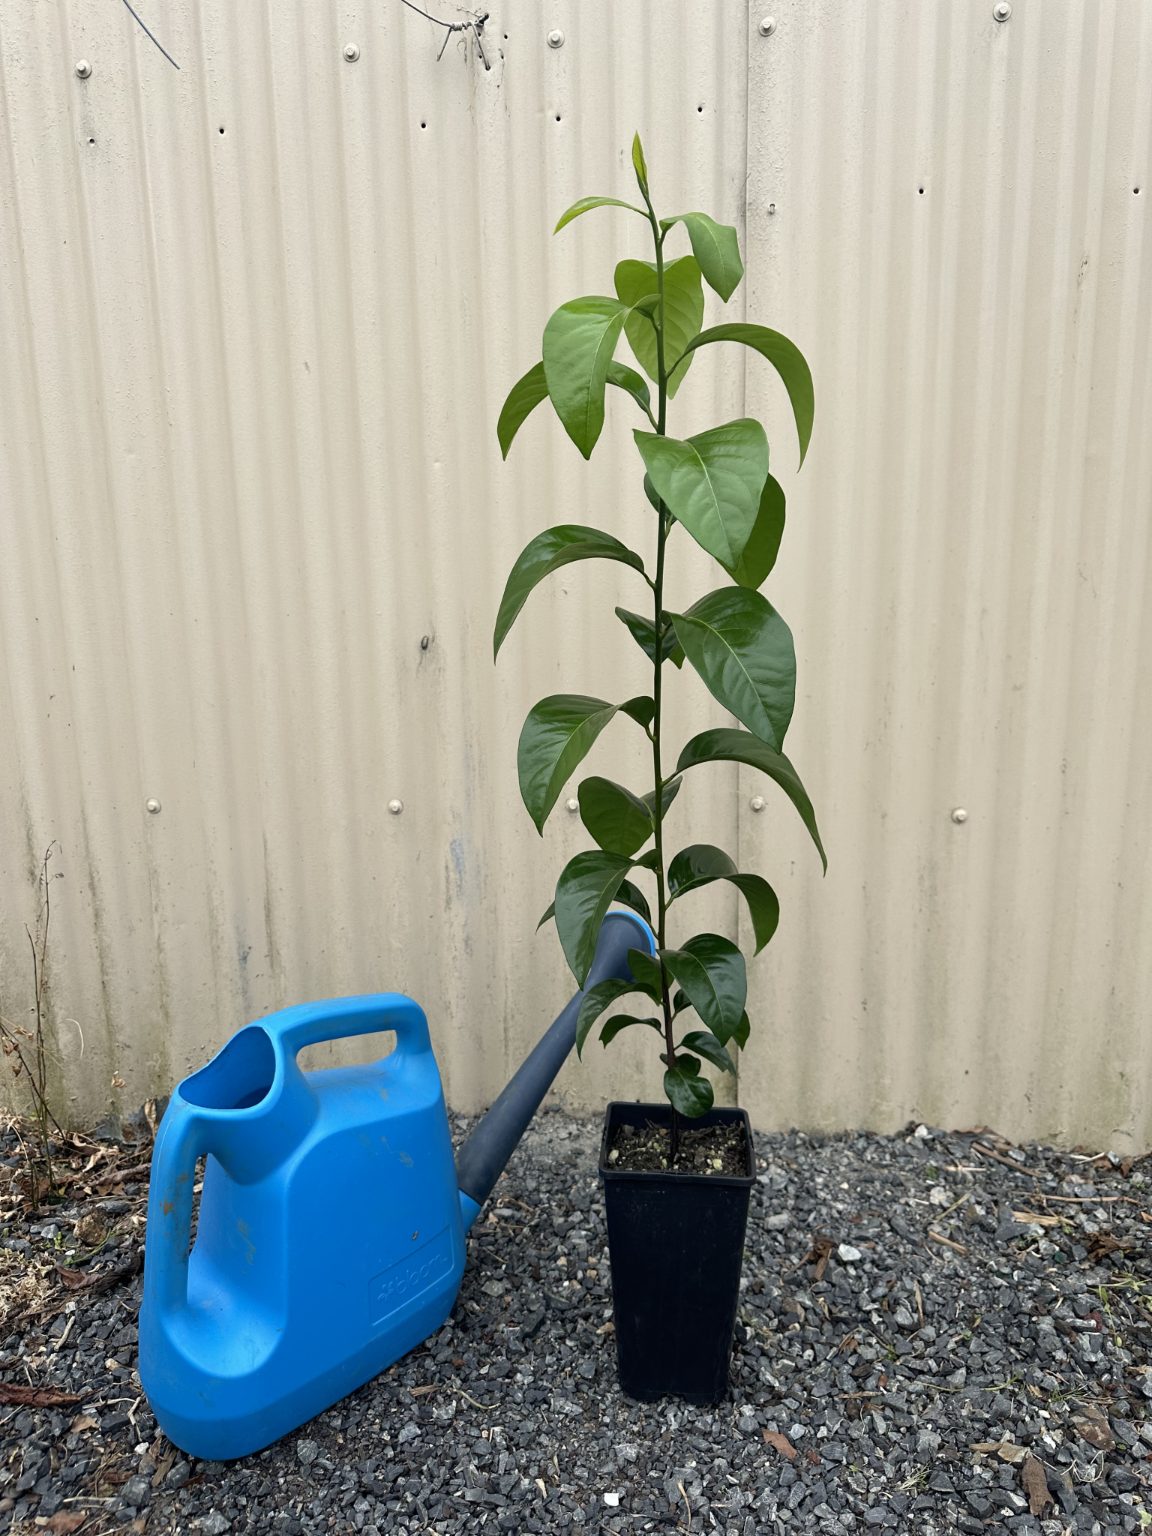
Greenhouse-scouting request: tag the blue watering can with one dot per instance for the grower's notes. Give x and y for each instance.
(330, 1235)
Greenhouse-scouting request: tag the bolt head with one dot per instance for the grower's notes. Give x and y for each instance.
(757, 802)
(351, 52)
(556, 39)
(152, 807)
(395, 807)
(1002, 11)
(572, 805)
(767, 26)
(959, 815)
(83, 69)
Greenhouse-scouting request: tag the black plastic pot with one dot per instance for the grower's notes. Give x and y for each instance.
(676, 1247)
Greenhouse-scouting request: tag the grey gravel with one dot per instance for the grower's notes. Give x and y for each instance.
(916, 1317)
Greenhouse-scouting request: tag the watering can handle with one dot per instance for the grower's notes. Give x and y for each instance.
(179, 1142)
(292, 1029)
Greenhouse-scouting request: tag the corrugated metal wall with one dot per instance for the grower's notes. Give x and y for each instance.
(257, 317)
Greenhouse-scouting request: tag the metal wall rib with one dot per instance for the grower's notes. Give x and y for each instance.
(257, 318)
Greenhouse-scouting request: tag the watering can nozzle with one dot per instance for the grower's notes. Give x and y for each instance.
(481, 1160)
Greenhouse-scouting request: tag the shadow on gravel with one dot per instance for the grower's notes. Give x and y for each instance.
(938, 1332)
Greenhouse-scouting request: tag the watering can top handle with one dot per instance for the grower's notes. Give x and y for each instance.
(340, 1017)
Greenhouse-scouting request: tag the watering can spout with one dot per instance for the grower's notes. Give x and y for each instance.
(481, 1160)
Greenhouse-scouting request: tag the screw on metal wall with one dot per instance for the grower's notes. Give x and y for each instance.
(757, 802)
(556, 39)
(83, 69)
(767, 26)
(395, 806)
(351, 52)
(1002, 11)
(959, 815)
(152, 807)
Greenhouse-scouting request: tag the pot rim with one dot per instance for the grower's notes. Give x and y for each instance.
(717, 1116)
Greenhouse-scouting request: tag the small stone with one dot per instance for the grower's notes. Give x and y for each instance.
(136, 1491)
(307, 1452)
(612, 1500)
(409, 1432)
(848, 1255)
(779, 1221)
(178, 1474)
(903, 1317)
(215, 1524)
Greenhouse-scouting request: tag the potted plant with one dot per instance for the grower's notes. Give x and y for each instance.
(677, 1175)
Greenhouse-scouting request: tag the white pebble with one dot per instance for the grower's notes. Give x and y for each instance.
(849, 1255)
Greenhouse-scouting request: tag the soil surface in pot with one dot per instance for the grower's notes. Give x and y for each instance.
(718, 1149)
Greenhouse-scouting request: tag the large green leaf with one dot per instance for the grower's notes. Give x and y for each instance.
(738, 747)
(716, 247)
(643, 631)
(701, 864)
(556, 737)
(759, 554)
(586, 204)
(594, 1002)
(788, 361)
(703, 1043)
(579, 341)
(690, 1093)
(584, 893)
(743, 650)
(712, 972)
(629, 380)
(546, 553)
(523, 398)
(618, 820)
(711, 483)
(683, 313)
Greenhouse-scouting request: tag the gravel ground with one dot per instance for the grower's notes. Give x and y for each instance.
(938, 1332)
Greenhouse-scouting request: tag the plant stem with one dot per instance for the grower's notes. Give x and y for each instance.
(657, 670)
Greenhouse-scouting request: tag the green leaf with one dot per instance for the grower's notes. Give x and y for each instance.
(711, 970)
(683, 313)
(584, 893)
(738, 747)
(650, 492)
(629, 380)
(550, 911)
(668, 793)
(646, 973)
(788, 361)
(579, 341)
(716, 247)
(690, 1093)
(618, 820)
(523, 398)
(680, 1001)
(701, 864)
(712, 483)
(707, 1045)
(630, 895)
(594, 1002)
(759, 554)
(622, 1021)
(743, 1030)
(639, 164)
(643, 631)
(586, 204)
(546, 553)
(743, 650)
(556, 737)
(649, 860)
(642, 710)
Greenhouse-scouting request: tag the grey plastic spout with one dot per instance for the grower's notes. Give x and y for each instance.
(482, 1158)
